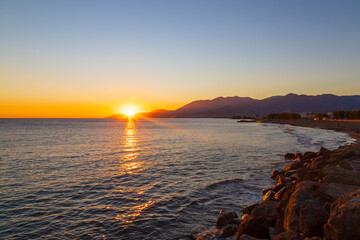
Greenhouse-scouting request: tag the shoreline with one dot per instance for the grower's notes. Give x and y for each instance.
(346, 126)
(316, 197)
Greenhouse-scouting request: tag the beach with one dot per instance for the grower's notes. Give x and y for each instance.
(316, 196)
(351, 127)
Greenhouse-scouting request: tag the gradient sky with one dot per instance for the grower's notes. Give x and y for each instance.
(92, 58)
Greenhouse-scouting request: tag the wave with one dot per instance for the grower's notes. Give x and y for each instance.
(230, 181)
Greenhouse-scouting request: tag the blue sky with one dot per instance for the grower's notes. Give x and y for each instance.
(162, 54)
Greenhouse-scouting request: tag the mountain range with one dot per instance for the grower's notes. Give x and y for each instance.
(246, 106)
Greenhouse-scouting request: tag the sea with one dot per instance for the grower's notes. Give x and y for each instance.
(138, 179)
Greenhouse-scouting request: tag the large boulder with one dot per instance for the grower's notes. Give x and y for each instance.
(289, 235)
(266, 209)
(303, 174)
(312, 218)
(302, 196)
(333, 191)
(247, 237)
(344, 218)
(229, 231)
(225, 218)
(333, 174)
(255, 226)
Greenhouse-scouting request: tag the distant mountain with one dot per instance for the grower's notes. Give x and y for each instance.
(245, 106)
(240, 106)
(201, 106)
(292, 103)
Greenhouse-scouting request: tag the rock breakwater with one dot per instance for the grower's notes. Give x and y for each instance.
(317, 196)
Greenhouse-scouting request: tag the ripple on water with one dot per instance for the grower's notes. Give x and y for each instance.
(160, 179)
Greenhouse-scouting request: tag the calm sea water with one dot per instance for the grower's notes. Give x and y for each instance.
(158, 179)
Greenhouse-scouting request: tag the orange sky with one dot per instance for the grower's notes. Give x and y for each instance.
(90, 59)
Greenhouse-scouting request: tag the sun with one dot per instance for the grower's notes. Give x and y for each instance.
(130, 112)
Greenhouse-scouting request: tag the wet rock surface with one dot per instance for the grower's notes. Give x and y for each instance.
(316, 197)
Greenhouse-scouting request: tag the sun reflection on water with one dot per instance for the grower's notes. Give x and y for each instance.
(130, 162)
(135, 211)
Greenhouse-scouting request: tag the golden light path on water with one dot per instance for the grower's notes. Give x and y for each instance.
(129, 164)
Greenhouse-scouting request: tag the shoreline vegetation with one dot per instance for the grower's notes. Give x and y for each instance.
(316, 197)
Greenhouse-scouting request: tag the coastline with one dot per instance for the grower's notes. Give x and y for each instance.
(317, 196)
(351, 127)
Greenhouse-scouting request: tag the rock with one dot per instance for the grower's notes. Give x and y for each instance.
(255, 227)
(319, 162)
(350, 164)
(247, 237)
(225, 218)
(266, 209)
(323, 152)
(333, 174)
(344, 218)
(301, 196)
(327, 206)
(299, 156)
(229, 231)
(271, 232)
(303, 174)
(348, 154)
(289, 235)
(290, 186)
(355, 164)
(280, 194)
(333, 191)
(248, 209)
(269, 196)
(237, 221)
(282, 179)
(276, 173)
(288, 168)
(312, 218)
(309, 155)
(289, 156)
(289, 173)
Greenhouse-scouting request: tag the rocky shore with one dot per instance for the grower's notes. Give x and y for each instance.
(316, 197)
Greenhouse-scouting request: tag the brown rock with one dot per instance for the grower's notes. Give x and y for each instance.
(269, 196)
(266, 209)
(350, 164)
(344, 218)
(229, 231)
(225, 218)
(289, 173)
(255, 227)
(289, 235)
(299, 156)
(248, 209)
(247, 237)
(289, 156)
(276, 173)
(312, 219)
(323, 152)
(301, 196)
(309, 155)
(280, 194)
(303, 174)
(333, 191)
(319, 162)
(333, 174)
(277, 187)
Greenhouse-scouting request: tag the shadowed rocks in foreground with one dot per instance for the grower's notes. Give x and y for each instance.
(316, 197)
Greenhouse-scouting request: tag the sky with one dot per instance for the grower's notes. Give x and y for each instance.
(95, 58)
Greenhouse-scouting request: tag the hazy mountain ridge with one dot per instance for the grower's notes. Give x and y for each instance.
(294, 103)
(246, 106)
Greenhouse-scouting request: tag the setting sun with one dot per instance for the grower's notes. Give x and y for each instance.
(130, 112)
